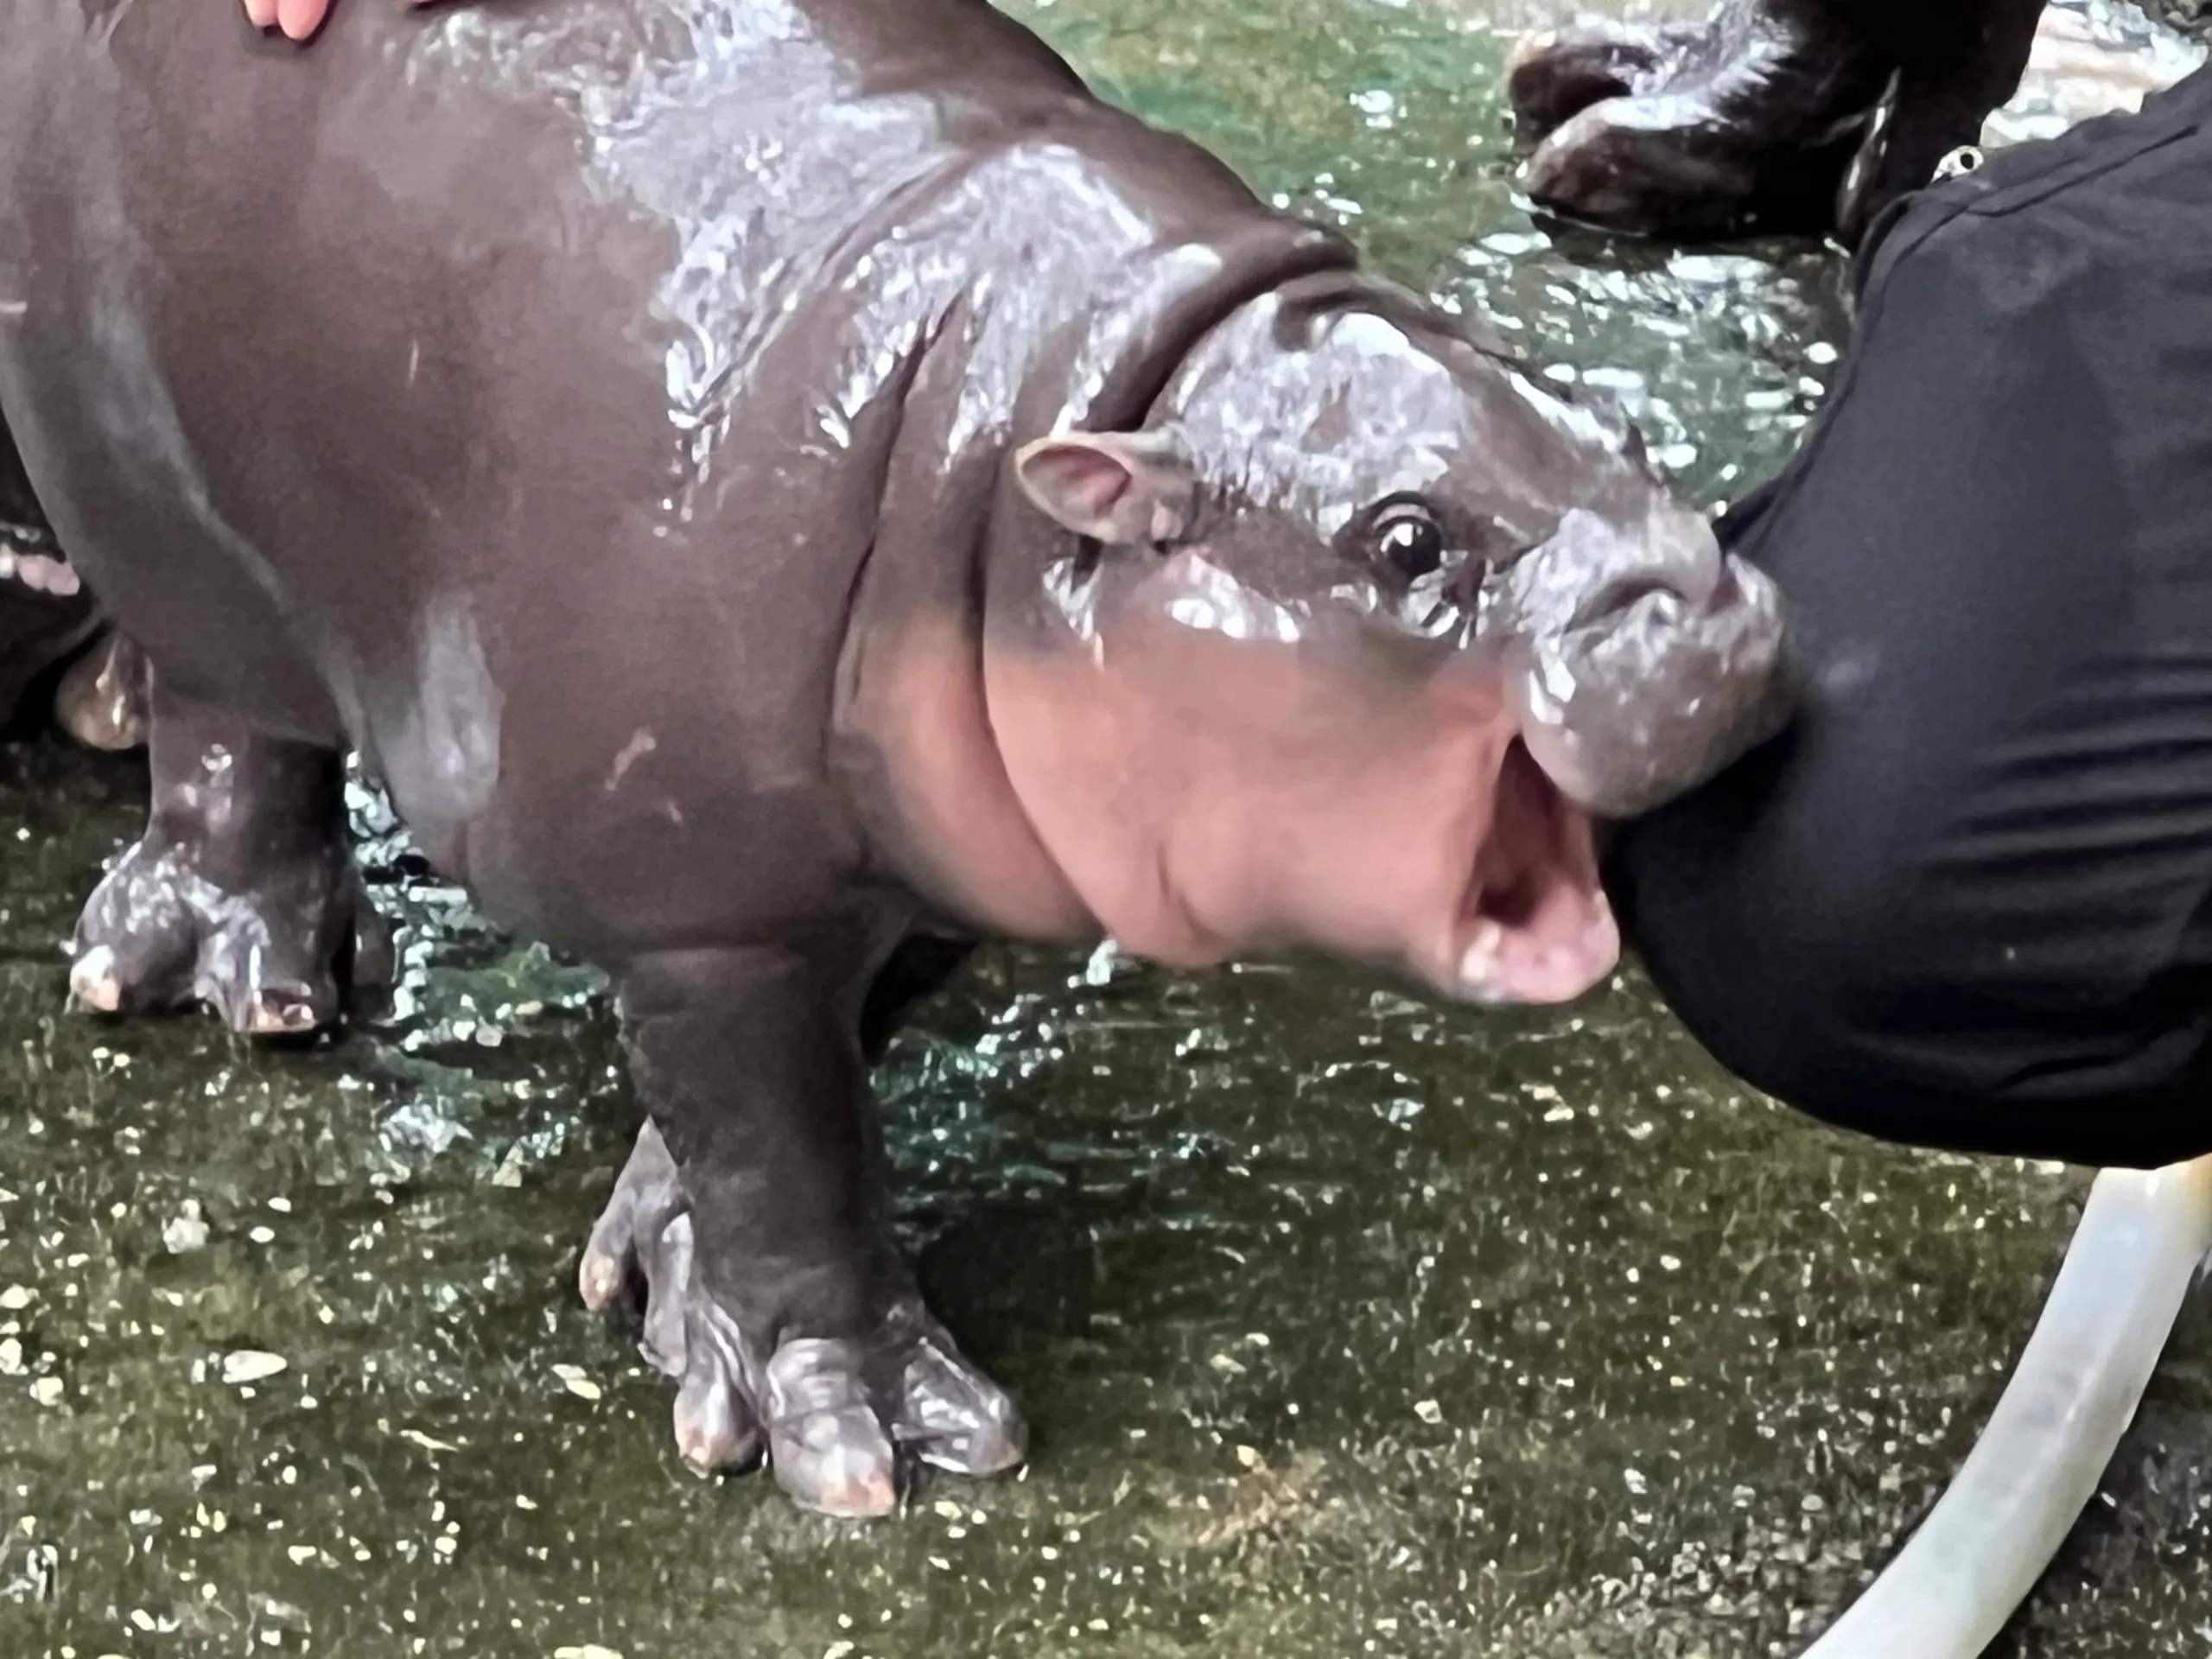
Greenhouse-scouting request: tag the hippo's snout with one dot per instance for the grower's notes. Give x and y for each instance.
(1645, 661)
(1592, 570)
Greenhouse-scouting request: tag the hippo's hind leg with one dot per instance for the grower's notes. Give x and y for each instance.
(102, 701)
(39, 630)
(760, 1229)
(44, 617)
(241, 894)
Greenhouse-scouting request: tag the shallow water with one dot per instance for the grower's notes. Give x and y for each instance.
(1346, 1324)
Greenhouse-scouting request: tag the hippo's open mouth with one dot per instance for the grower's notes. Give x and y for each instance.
(36, 571)
(1534, 925)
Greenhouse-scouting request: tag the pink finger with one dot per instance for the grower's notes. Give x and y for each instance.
(300, 18)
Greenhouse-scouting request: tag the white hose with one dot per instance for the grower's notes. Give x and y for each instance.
(1980, 1553)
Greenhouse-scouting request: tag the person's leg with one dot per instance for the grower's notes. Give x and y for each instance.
(1968, 901)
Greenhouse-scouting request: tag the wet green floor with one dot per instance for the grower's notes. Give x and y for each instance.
(1346, 1325)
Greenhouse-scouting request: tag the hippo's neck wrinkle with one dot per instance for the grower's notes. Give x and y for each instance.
(916, 748)
(915, 734)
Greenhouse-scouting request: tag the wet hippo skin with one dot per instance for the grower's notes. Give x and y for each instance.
(778, 491)
(1783, 116)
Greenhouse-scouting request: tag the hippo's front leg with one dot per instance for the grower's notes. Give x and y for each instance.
(761, 1227)
(243, 891)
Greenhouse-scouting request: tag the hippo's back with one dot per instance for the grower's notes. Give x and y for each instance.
(357, 320)
(490, 387)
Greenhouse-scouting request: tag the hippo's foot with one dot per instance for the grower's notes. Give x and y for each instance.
(1745, 124)
(28, 557)
(273, 956)
(834, 1415)
(102, 700)
(242, 894)
(44, 613)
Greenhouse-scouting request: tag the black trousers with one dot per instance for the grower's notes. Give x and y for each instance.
(1967, 902)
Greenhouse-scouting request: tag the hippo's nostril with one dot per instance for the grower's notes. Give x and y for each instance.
(1619, 596)
(1603, 570)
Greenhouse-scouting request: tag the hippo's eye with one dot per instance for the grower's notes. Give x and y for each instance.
(1411, 540)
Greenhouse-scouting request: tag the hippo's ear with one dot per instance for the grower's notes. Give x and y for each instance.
(1118, 487)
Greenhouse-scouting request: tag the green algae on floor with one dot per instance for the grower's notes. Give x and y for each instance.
(1347, 1324)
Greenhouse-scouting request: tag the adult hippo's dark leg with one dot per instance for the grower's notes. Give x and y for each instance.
(241, 894)
(1782, 115)
(759, 1225)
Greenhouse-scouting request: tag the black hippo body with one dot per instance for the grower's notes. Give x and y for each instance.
(779, 490)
